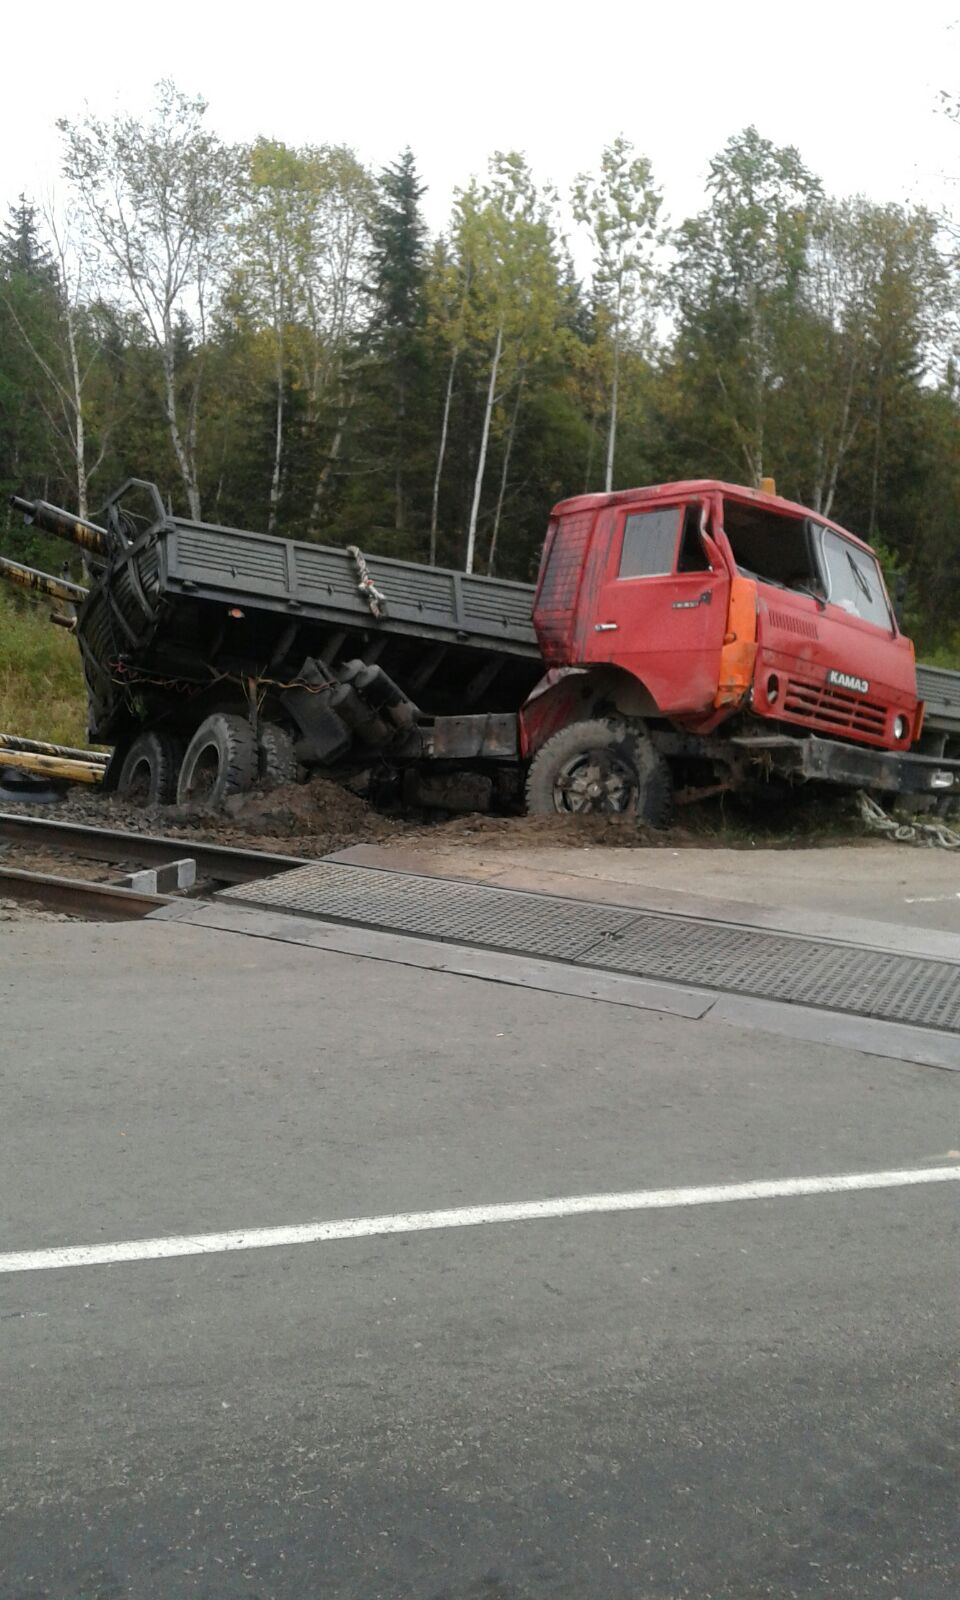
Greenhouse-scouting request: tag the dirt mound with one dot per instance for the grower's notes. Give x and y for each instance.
(307, 819)
(316, 817)
(297, 807)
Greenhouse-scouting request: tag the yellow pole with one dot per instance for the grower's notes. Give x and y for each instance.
(40, 747)
(53, 766)
(41, 582)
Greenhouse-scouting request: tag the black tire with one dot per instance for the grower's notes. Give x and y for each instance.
(221, 759)
(278, 763)
(600, 767)
(148, 776)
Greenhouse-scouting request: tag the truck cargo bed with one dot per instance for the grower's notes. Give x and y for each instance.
(192, 602)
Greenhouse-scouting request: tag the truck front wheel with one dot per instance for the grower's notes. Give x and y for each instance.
(600, 766)
(221, 760)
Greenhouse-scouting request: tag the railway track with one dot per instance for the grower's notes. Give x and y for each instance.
(137, 867)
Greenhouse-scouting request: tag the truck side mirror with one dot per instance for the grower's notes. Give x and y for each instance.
(900, 587)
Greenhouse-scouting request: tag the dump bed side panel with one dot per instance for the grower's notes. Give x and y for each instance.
(321, 580)
(940, 692)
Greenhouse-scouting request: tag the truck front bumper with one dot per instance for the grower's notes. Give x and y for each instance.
(854, 766)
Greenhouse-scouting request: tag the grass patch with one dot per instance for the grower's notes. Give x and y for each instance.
(797, 818)
(945, 654)
(42, 693)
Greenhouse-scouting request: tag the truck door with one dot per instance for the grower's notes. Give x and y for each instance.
(661, 608)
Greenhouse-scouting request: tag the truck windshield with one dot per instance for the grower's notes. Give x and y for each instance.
(853, 580)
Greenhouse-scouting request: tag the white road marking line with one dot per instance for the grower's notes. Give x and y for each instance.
(200, 1244)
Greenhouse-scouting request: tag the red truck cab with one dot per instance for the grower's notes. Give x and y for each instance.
(699, 601)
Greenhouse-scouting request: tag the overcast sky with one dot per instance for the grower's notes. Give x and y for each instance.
(854, 85)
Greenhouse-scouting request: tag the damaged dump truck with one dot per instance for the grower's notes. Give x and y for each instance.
(681, 640)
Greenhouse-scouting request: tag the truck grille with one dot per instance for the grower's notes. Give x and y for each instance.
(835, 710)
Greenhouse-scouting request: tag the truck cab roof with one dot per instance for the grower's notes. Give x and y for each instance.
(694, 488)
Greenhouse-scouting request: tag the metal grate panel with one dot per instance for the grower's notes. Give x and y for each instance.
(434, 909)
(706, 955)
(868, 983)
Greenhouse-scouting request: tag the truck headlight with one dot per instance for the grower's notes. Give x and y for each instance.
(901, 727)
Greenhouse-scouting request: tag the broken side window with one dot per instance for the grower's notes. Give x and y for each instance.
(693, 556)
(772, 547)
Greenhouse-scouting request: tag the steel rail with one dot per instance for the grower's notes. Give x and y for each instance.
(104, 901)
(222, 863)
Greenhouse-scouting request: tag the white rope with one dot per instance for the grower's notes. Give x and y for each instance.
(376, 600)
(925, 833)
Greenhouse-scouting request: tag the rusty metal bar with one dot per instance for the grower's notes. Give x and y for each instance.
(214, 861)
(41, 582)
(99, 900)
(53, 519)
(39, 747)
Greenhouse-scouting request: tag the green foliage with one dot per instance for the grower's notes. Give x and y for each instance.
(946, 653)
(619, 210)
(738, 279)
(270, 334)
(22, 250)
(399, 432)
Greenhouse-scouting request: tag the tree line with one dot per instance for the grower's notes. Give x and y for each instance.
(273, 336)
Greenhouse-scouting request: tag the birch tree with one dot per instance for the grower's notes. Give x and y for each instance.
(504, 232)
(537, 334)
(874, 279)
(275, 237)
(62, 342)
(912, 334)
(447, 295)
(155, 196)
(739, 278)
(620, 210)
(337, 310)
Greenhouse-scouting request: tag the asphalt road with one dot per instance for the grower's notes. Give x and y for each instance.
(721, 1402)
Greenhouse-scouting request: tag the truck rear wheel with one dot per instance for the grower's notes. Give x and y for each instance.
(602, 767)
(222, 759)
(148, 776)
(278, 764)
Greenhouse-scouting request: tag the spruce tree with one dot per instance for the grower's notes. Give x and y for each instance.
(21, 249)
(397, 271)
